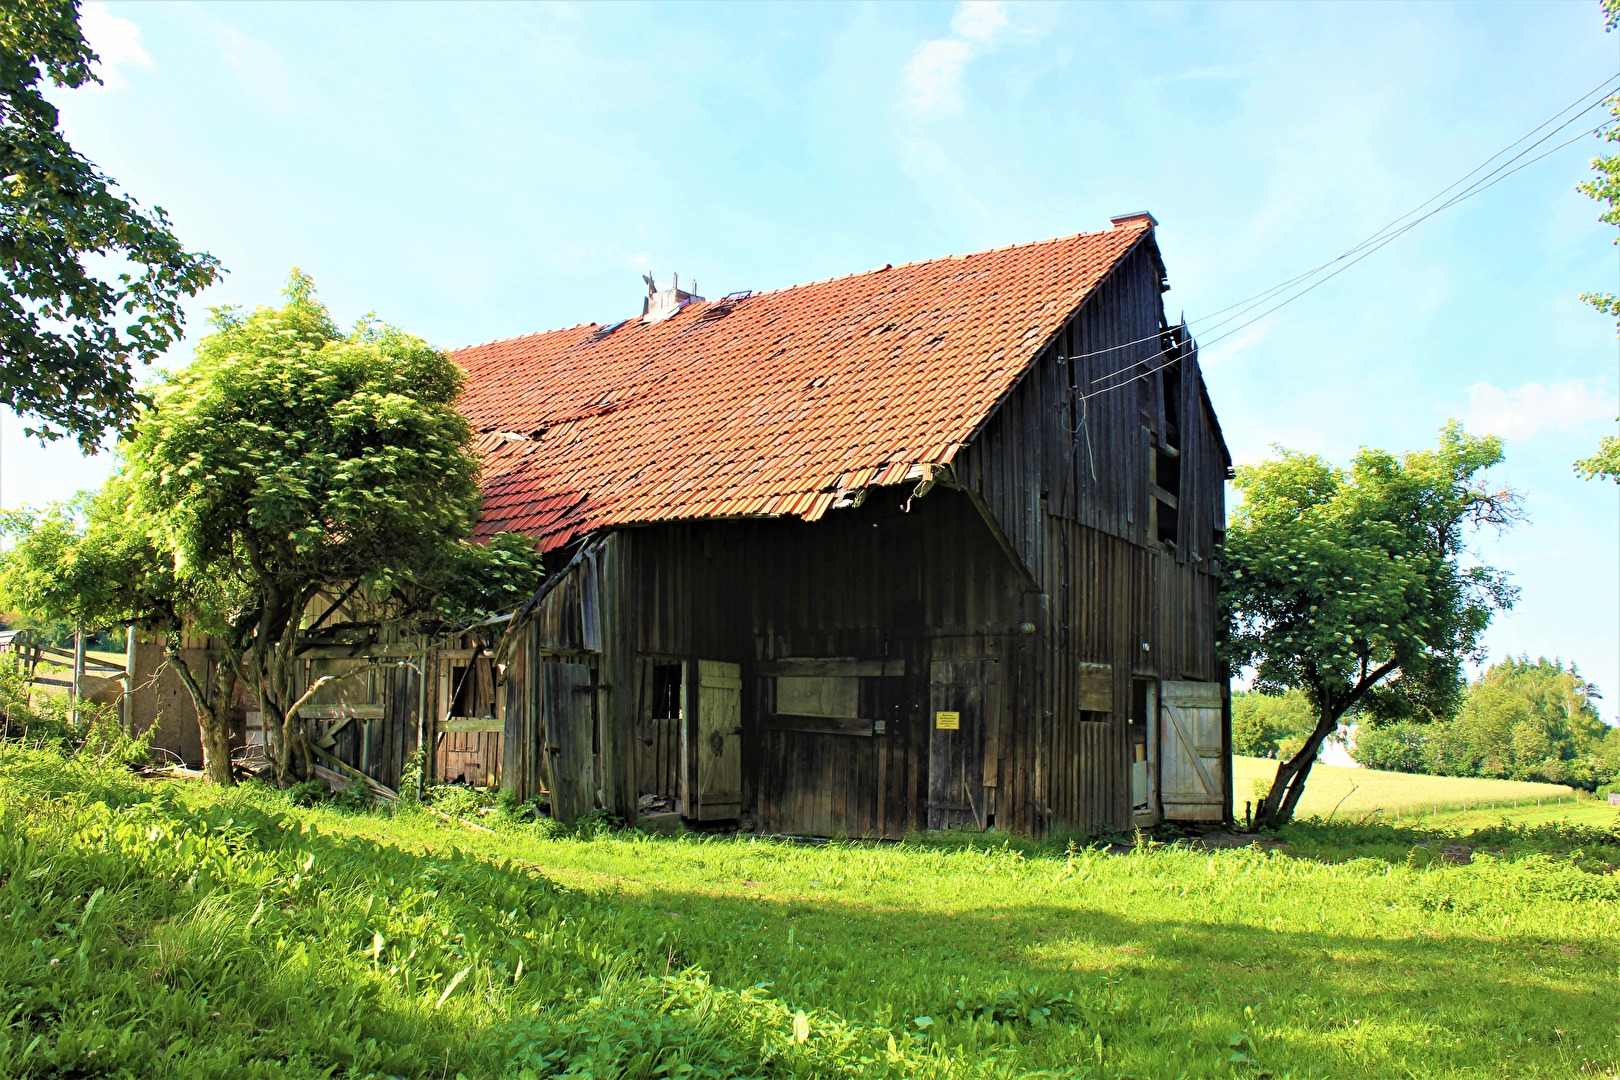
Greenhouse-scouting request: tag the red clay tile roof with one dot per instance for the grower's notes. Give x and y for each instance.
(770, 404)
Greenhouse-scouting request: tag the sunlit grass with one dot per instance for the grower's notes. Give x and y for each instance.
(247, 938)
(1354, 793)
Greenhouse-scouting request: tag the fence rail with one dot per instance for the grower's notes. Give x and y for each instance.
(1434, 810)
(29, 656)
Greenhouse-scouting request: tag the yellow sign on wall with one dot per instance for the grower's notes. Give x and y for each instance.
(948, 721)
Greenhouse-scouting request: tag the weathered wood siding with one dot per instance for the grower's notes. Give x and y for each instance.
(1068, 479)
(886, 584)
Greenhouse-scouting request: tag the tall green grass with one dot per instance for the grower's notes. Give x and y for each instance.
(168, 930)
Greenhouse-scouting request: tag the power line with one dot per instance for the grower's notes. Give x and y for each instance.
(1583, 104)
(1322, 281)
(1361, 251)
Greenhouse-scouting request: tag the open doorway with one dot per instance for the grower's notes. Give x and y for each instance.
(1143, 744)
(659, 720)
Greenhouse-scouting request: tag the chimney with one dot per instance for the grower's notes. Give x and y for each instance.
(1139, 215)
(660, 304)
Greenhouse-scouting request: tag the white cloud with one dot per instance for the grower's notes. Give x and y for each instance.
(1528, 410)
(979, 20)
(116, 40)
(933, 75)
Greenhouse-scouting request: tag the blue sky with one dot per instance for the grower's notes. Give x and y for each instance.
(474, 172)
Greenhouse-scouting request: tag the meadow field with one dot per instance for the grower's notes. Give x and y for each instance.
(166, 929)
(1354, 794)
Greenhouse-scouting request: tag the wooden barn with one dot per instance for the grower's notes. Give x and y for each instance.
(930, 546)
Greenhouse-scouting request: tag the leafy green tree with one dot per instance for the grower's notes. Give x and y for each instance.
(1520, 720)
(289, 460)
(1342, 582)
(1527, 720)
(1399, 746)
(92, 281)
(1264, 725)
(1605, 188)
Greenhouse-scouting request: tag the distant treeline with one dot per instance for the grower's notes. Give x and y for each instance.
(1522, 719)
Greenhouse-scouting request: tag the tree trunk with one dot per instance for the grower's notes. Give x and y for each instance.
(213, 715)
(214, 725)
(283, 748)
(1277, 808)
(271, 667)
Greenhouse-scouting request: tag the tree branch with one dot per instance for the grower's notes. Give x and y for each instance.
(314, 687)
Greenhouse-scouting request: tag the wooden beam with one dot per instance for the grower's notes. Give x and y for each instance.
(830, 667)
(341, 712)
(828, 725)
(471, 723)
(375, 650)
(989, 518)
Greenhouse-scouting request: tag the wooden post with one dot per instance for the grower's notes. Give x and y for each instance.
(425, 731)
(128, 703)
(77, 691)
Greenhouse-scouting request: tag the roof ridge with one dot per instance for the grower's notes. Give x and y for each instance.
(700, 304)
(533, 334)
(935, 259)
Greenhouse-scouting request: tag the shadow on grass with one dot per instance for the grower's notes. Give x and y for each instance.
(1304, 1003)
(1590, 847)
(1161, 995)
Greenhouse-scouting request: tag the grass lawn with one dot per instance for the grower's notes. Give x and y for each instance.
(1349, 793)
(166, 929)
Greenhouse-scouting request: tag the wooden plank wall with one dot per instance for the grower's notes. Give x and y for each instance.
(1067, 480)
(553, 630)
(394, 736)
(877, 583)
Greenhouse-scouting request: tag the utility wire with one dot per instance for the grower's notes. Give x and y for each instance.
(1562, 119)
(1383, 238)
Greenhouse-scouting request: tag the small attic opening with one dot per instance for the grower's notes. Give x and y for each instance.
(660, 304)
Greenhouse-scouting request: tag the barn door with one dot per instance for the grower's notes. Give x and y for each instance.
(567, 700)
(960, 705)
(832, 749)
(716, 752)
(1190, 769)
(519, 760)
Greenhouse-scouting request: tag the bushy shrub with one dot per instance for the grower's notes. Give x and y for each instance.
(457, 800)
(1270, 725)
(1521, 720)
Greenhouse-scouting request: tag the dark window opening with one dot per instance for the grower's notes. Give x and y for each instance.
(666, 692)
(1143, 699)
(658, 750)
(1166, 494)
(1172, 405)
(1167, 469)
(1089, 716)
(472, 688)
(1166, 526)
